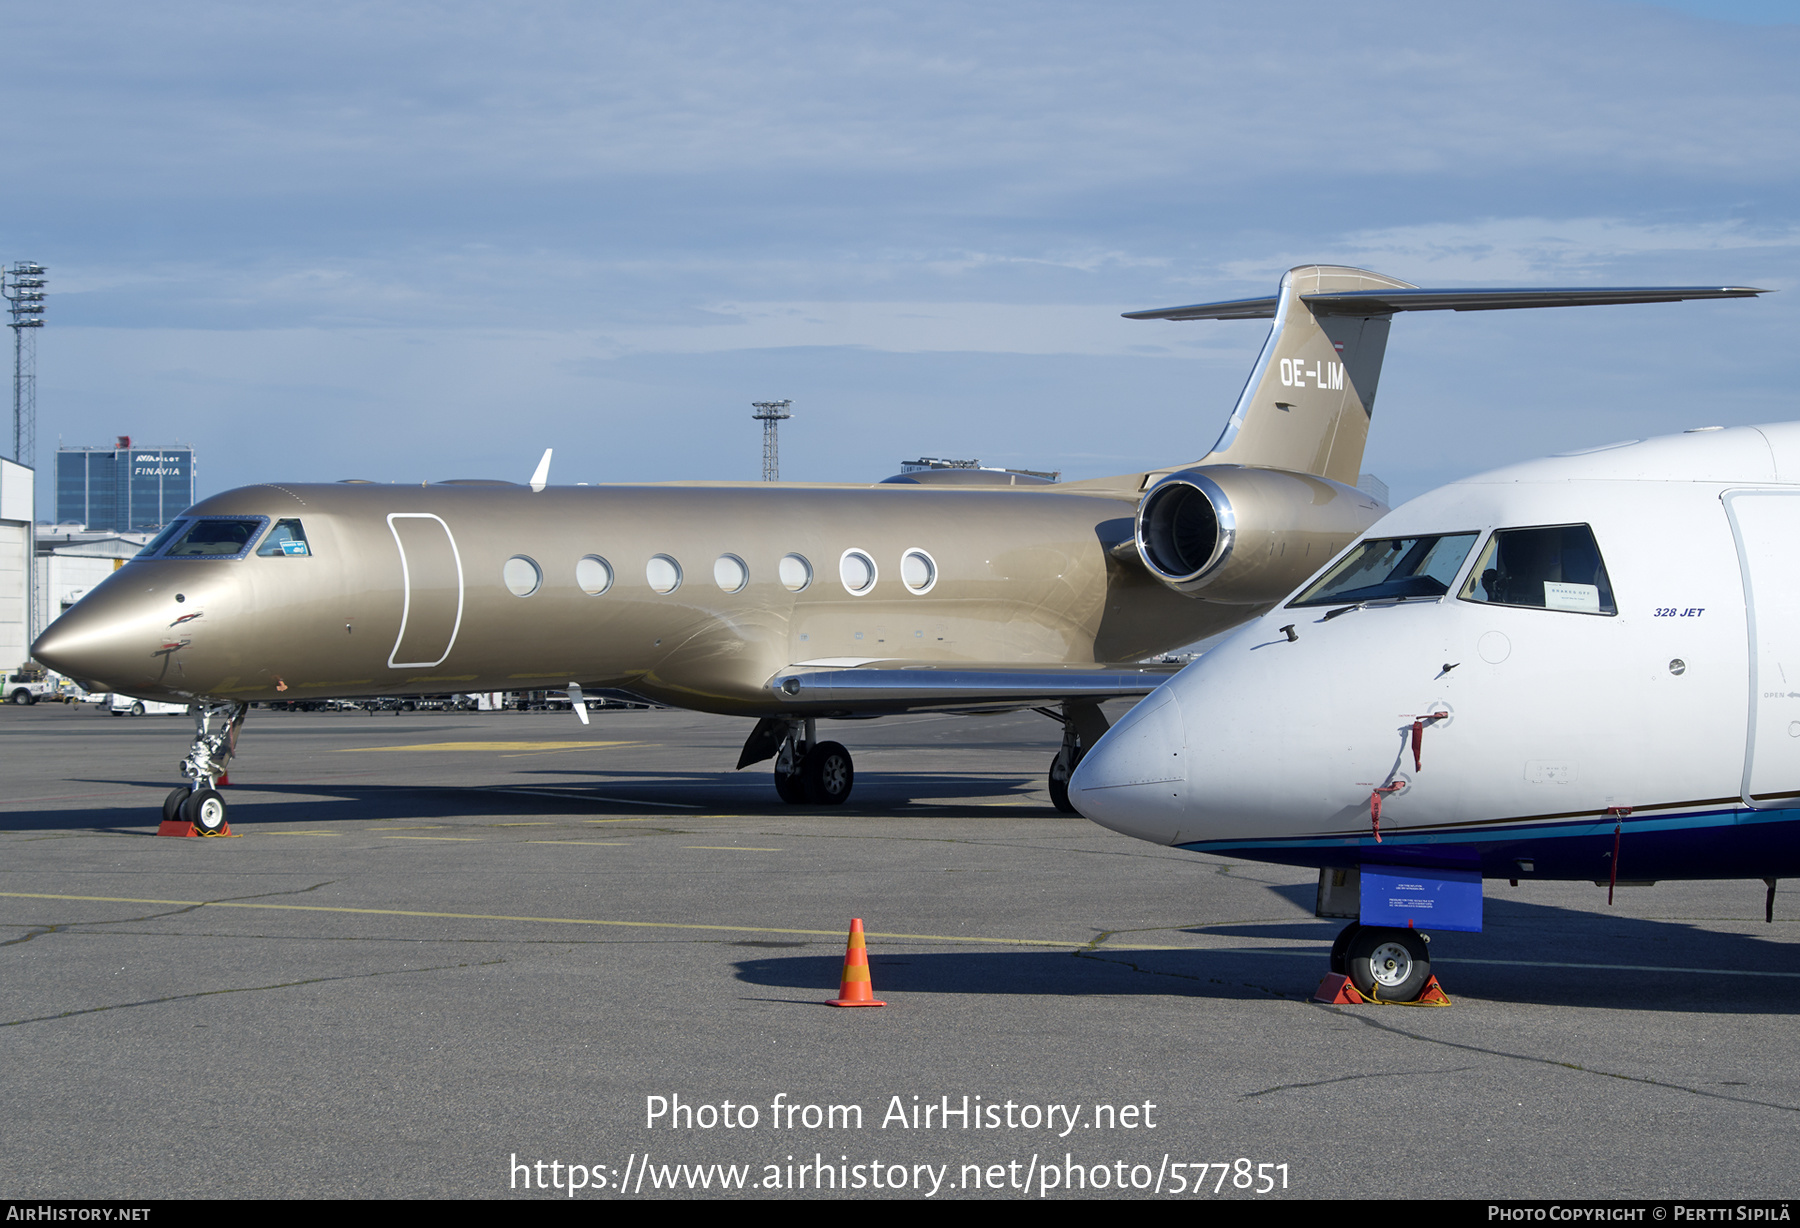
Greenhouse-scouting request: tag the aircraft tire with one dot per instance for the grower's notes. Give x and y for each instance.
(1388, 962)
(172, 803)
(828, 774)
(205, 809)
(790, 788)
(1341, 946)
(1059, 786)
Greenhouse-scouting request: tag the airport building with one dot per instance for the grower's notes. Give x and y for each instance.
(123, 489)
(16, 491)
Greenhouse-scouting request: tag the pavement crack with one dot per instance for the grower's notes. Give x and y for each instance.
(1550, 1061)
(209, 993)
(39, 932)
(1379, 1074)
(1088, 951)
(264, 895)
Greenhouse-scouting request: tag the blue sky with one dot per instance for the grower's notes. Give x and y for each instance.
(414, 241)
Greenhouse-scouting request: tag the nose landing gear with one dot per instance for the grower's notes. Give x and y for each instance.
(1383, 964)
(197, 808)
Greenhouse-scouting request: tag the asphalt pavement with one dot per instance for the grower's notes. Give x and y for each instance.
(500, 955)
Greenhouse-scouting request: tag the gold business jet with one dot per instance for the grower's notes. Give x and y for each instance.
(786, 603)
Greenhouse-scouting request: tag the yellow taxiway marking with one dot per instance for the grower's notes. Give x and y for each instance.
(607, 843)
(292, 833)
(544, 824)
(1065, 944)
(728, 848)
(475, 746)
(470, 839)
(470, 916)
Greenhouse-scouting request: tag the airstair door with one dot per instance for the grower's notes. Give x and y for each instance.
(431, 579)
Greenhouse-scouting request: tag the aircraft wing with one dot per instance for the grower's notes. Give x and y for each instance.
(1384, 301)
(907, 686)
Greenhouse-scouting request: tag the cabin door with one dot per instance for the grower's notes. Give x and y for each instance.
(1766, 524)
(431, 581)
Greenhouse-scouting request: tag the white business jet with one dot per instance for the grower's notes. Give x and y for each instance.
(1582, 667)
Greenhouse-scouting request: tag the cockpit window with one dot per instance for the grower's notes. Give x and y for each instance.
(1556, 568)
(1392, 569)
(161, 539)
(287, 538)
(217, 537)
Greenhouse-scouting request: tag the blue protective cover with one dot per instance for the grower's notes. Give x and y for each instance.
(1423, 899)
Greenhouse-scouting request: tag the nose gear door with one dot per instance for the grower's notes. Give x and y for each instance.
(431, 579)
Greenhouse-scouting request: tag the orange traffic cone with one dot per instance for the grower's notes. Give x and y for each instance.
(856, 989)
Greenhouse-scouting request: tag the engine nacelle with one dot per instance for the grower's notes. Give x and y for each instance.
(1246, 536)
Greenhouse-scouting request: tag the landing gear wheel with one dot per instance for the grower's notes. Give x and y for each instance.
(205, 809)
(172, 803)
(1388, 963)
(1059, 785)
(790, 788)
(827, 774)
(1341, 947)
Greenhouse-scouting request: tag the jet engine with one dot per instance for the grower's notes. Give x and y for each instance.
(1245, 536)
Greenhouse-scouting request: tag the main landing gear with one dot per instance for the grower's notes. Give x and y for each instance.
(807, 771)
(1083, 724)
(1383, 961)
(199, 802)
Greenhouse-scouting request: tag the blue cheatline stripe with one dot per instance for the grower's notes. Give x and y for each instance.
(1523, 828)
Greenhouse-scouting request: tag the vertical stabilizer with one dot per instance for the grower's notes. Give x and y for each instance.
(1308, 401)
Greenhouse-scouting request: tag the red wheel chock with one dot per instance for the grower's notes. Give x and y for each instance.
(1336, 990)
(181, 827)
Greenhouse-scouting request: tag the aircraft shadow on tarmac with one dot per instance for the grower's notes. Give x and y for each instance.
(670, 793)
(1641, 964)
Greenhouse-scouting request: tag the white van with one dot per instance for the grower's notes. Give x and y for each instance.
(119, 705)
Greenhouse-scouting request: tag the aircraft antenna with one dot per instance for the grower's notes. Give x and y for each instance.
(23, 287)
(769, 413)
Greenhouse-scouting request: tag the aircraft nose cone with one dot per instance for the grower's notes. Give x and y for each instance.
(99, 640)
(1135, 780)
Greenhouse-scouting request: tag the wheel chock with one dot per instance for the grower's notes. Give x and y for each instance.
(855, 988)
(1433, 994)
(1336, 990)
(181, 827)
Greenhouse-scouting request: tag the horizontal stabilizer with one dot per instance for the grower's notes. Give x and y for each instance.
(1384, 302)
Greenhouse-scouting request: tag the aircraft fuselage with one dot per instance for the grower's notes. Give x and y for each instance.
(478, 587)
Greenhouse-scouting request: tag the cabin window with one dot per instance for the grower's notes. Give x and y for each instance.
(161, 539)
(918, 571)
(1554, 568)
(663, 574)
(521, 576)
(857, 571)
(1392, 569)
(795, 572)
(730, 573)
(286, 540)
(593, 575)
(217, 537)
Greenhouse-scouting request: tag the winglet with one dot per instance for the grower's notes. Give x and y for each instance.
(540, 478)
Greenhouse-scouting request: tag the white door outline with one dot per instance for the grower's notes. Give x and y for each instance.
(1757, 717)
(406, 590)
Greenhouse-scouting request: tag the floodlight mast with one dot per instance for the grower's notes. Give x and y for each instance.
(769, 413)
(23, 287)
